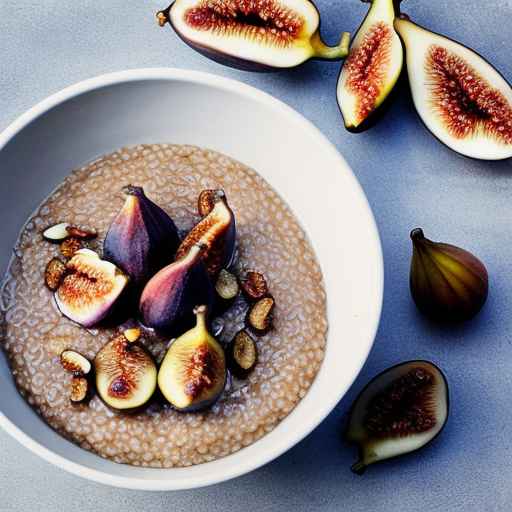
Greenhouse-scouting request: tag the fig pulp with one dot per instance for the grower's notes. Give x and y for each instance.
(372, 68)
(447, 283)
(193, 372)
(399, 411)
(90, 288)
(217, 233)
(142, 239)
(168, 300)
(254, 35)
(462, 99)
(125, 374)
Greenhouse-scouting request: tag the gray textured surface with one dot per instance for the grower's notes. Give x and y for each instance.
(410, 180)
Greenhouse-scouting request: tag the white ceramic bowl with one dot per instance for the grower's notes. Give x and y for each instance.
(99, 115)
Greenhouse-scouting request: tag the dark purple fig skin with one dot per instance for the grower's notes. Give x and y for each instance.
(169, 298)
(142, 239)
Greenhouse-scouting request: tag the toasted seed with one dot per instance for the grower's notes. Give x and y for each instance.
(69, 246)
(79, 389)
(227, 285)
(242, 354)
(81, 234)
(259, 316)
(74, 362)
(54, 273)
(56, 233)
(254, 285)
(132, 334)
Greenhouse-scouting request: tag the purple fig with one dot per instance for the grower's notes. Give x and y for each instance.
(90, 288)
(217, 232)
(447, 283)
(168, 299)
(142, 239)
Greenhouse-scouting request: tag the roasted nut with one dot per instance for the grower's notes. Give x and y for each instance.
(259, 316)
(69, 246)
(74, 362)
(79, 389)
(56, 233)
(54, 273)
(254, 286)
(81, 234)
(227, 285)
(206, 201)
(132, 334)
(242, 354)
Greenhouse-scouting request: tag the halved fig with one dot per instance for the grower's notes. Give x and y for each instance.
(462, 99)
(142, 238)
(399, 411)
(217, 233)
(193, 372)
(74, 362)
(90, 288)
(206, 202)
(168, 300)
(259, 316)
(372, 68)
(125, 374)
(261, 35)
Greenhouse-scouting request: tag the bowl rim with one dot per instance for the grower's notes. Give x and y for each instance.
(233, 86)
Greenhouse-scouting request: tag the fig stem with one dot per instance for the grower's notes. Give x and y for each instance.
(417, 234)
(359, 467)
(322, 51)
(163, 16)
(201, 312)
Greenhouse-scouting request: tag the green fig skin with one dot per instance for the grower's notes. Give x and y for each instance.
(447, 283)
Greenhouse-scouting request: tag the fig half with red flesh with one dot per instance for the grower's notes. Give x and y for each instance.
(254, 35)
(401, 410)
(216, 233)
(462, 99)
(90, 288)
(372, 67)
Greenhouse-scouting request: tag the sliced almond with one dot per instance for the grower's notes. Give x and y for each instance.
(74, 362)
(259, 316)
(56, 233)
(80, 233)
(79, 389)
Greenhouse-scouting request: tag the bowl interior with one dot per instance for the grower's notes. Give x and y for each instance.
(103, 114)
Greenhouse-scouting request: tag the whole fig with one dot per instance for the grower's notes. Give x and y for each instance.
(142, 239)
(447, 283)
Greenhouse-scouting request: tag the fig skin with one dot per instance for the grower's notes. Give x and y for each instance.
(369, 443)
(142, 238)
(217, 233)
(312, 48)
(193, 372)
(168, 299)
(447, 283)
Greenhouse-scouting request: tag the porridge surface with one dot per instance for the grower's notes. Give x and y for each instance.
(270, 240)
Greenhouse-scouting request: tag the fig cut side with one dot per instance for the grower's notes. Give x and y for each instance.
(372, 68)
(461, 98)
(401, 410)
(255, 35)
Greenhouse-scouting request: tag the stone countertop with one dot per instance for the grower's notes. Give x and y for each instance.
(410, 180)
